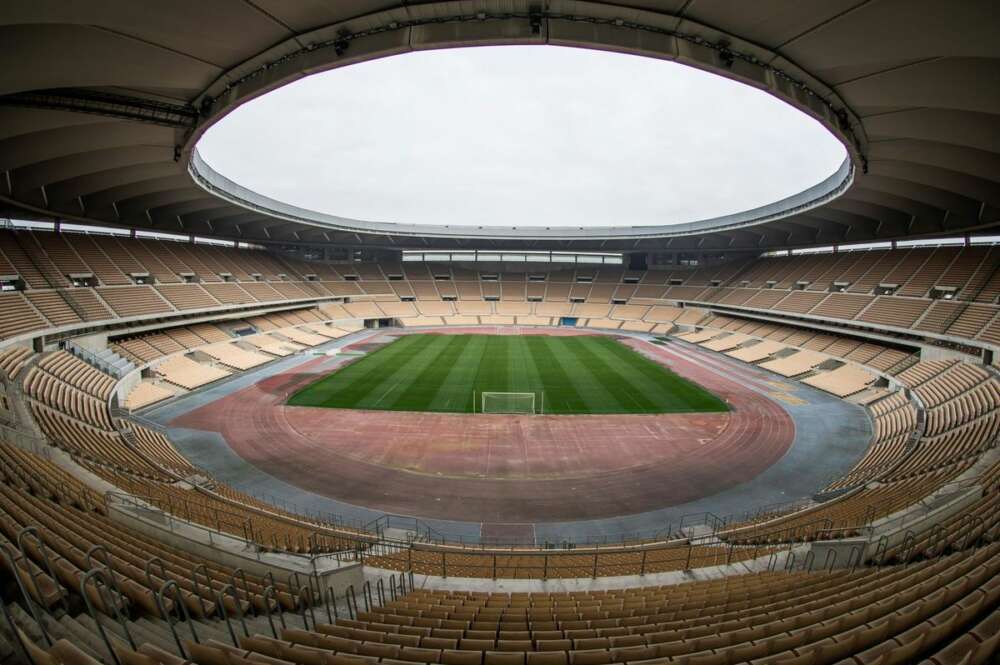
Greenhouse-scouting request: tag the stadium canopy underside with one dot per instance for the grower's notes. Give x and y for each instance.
(101, 104)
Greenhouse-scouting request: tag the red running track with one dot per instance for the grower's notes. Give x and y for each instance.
(507, 469)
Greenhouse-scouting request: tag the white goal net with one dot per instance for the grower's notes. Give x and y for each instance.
(495, 402)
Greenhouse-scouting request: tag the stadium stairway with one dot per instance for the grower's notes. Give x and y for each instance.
(105, 360)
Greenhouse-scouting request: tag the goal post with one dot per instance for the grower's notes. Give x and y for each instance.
(507, 402)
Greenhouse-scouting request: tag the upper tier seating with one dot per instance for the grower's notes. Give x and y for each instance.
(880, 288)
(12, 359)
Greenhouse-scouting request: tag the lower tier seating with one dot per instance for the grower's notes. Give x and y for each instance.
(942, 611)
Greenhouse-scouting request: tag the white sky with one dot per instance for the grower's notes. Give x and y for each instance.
(526, 135)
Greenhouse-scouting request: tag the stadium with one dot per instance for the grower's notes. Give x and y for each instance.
(233, 427)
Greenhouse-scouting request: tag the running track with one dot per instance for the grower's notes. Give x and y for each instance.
(503, 469)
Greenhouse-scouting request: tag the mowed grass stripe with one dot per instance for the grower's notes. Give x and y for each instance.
(561, 396)
(535, 377)
(680, 390)
(435, 380)
(619, 388)
(578, 375)
(494, 375)
(422, 385)
(652, 390)
(595, 397)
(632, 387)
(403, 380)
(455, 393)
(364, 394)
(524, 375)
(348, 385)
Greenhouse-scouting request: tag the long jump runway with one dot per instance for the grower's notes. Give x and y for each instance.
(528, 477)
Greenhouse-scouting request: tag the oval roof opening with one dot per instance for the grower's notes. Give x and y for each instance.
(521, 136)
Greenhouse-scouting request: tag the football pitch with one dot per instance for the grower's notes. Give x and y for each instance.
(448, 373)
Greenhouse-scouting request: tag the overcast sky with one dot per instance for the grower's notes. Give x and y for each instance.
(525, 135)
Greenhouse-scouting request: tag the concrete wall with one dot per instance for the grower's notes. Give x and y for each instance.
(126, 384)
(928, 353)
(95, 342)
(835, 554)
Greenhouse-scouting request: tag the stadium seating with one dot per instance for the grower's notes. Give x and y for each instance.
(944, 610)
(71, 518)
(888, 617)
(794, 286)
(189, 374)
(920, 445)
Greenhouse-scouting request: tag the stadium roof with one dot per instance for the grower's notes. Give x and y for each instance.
(102, 103)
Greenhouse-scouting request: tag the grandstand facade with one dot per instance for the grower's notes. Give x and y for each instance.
(139, 288)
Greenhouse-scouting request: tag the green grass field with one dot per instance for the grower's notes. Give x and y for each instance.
(578, 375)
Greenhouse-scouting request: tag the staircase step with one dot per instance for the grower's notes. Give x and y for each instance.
(139, 635)
(56, 630)
(155, 633)
(216, 629)
(183, 630)
(26, 623)
(87, 641)
(6, 647)
(161, 628)
(160, 638)
(113, 629)
(295, 620)
(10, 651)
(259, 626)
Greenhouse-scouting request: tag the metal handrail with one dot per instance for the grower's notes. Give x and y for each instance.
(88, 558)
(807, 562)
(853, 562)
(239, 573)
(173, 510)
(333, 601)
(178, 602)
(28, 600)
(149, 576)
(269, 592)
(33, 532)
(790, 562)
(366, 589)
(352, 599)
(197, 587)
(152, 504)
(938, 539)
(369, 548)
(220, 599)
(973, 519)
(318, 591)
(96, 616)
(302, 604)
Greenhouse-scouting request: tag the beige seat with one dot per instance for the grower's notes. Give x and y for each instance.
(503, 658)
(456, 657)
